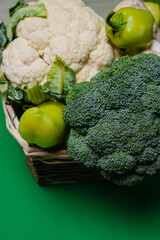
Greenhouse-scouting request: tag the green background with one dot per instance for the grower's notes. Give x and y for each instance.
(88, 211)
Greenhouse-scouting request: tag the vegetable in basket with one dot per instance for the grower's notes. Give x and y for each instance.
(38, 10)
(59, 81)
(130, 28)
(115, 120)
(39, 31)
(155, 10)
(44, 125)
(137, 4)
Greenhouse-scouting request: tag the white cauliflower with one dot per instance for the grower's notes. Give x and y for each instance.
(71, 30)
(22, 63)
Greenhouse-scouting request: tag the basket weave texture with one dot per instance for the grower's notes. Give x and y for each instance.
(48, 166)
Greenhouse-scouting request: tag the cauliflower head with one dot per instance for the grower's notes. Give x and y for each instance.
(71, 30)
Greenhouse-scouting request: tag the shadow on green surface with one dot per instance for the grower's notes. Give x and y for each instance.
(141, 200)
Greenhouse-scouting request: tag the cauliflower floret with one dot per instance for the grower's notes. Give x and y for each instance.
(71, 30)
(35, 30)
(22, 64)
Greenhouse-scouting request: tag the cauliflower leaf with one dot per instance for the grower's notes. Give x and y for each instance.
(3, 38)
(60, 78)
(19, 4)
(34, 94)
(14, 93)
(3, 83)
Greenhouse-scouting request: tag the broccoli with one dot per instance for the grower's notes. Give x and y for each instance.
(115, 120)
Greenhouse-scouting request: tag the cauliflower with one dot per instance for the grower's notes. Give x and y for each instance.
(71, 30)
(22, 63)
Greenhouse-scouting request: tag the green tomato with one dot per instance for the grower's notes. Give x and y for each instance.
(155, 10)
(130, 28)
(43, 125)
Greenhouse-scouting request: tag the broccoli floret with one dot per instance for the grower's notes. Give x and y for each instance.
(80, 150)
(115, 120)
(118, 163)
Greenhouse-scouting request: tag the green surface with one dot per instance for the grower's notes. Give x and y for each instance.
(89, 211)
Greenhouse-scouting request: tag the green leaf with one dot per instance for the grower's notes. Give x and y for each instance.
(3, 88)
(60, 78)
(69, 79)
(8, 101)
(15, 93)
(3, 83)
(53, 95)
(1, 56)
(3, 79)
(34, 94)
(19, 4)
(31, 94)
(55, 78)
(3, 38)
(27, 106)
(38, 10)
(3, 35)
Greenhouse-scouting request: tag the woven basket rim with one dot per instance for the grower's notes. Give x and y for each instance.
(12, 123)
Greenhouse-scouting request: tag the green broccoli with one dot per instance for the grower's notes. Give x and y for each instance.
(115, 120)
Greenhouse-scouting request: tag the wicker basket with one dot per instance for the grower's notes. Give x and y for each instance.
(51, 166)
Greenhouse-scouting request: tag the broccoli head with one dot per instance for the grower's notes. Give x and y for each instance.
(115, 120)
